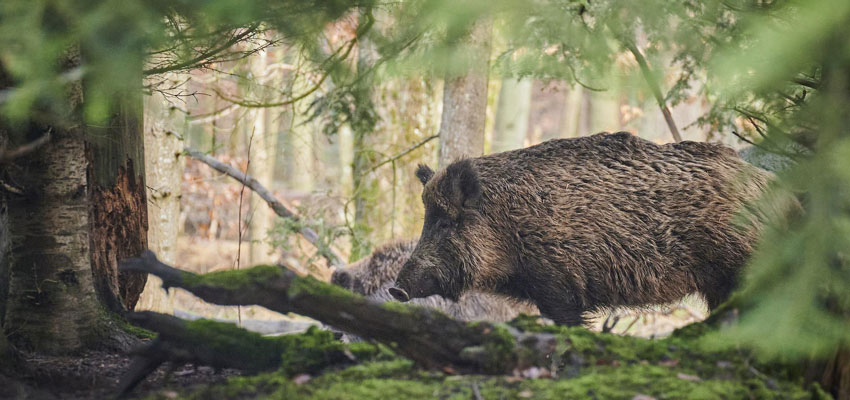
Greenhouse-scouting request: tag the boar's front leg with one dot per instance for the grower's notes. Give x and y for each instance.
(562, 313)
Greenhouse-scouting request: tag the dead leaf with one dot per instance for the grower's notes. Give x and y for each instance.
(301, 379)
(692, 378)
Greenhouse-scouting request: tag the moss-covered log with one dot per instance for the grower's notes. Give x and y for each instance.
(593, 366)
(426, 336)
(224, 345)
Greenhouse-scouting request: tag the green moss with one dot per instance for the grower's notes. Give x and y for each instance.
(309, 284)
(310, 351)
(399, 379)
(111, 319)
(596, 365)
(234, 279)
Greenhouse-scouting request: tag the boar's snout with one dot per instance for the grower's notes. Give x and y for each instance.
(399, 294)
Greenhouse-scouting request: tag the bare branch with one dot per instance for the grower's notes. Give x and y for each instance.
(9, 155)
(405, 152)
(202, 58)
(256, 104)
(333, 256)
(655, 87)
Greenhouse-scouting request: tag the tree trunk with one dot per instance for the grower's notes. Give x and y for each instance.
(263, 154)
(572, 112)
(117, 201)
(362, 126)
(465, 103)
(512, 115)
(82, 209)
(163, 177)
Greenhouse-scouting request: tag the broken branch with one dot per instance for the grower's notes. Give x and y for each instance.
(9, 155)
(329, 253)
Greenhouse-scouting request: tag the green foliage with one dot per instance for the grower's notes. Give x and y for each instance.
(47, 46)
(796, 299)
(287, 231)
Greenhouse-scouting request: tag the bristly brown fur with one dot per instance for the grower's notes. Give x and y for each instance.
(375, 274)
(578, 225)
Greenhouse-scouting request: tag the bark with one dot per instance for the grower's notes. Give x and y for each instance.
(163, 177)
(833, 374)
(571, 119)
(117, 201)
(426, 336)
(465, 103)
(512, 115)
(52, 300)
(4, 260)
(4, 257)
(81, 208)
(263, 154)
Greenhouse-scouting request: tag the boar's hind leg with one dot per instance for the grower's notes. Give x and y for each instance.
(717, 292)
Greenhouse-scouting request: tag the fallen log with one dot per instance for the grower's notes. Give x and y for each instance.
(224, 345)
(426, 336)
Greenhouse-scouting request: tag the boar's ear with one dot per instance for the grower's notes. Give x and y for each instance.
(465, 185)
(424, 173)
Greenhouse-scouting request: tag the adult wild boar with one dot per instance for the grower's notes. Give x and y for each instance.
(586, 224)
(374, 275)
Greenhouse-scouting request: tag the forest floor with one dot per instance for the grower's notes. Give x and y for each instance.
(95, 375)
(595, 365)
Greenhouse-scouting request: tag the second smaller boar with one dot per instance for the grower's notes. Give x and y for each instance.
(374, 275)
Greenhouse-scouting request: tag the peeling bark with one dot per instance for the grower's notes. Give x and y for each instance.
(118, 230)
(117, 201)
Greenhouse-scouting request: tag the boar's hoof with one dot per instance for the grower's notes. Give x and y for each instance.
(399, 294)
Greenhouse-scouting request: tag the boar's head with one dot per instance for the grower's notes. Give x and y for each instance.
(457, 239)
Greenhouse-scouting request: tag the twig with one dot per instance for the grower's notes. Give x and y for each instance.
(612, 319)
(405, 152)
(239, 227)
(193, 63)
(333, 257)
(809, 83)
(254, 104)
(655, 87)
(9, 155)
(476, 391)
(630, 325)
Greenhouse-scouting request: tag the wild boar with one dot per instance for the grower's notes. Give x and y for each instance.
(586, 224)
(374, 275)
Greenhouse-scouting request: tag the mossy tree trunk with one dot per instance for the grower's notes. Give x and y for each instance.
(81, 209)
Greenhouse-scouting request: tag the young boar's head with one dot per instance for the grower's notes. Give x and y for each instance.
(456, 237)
